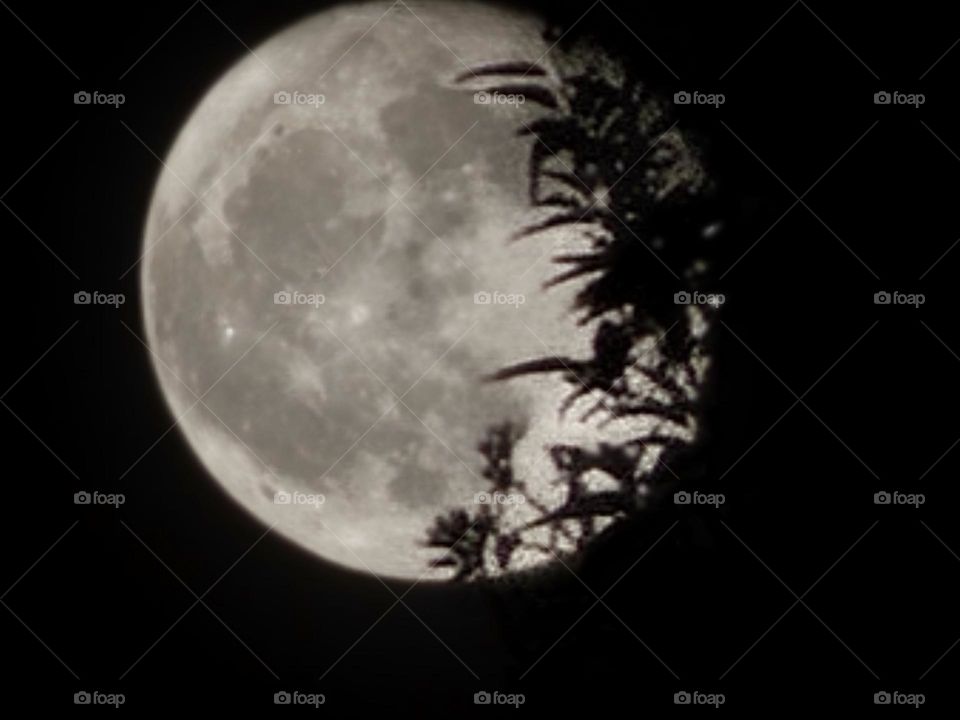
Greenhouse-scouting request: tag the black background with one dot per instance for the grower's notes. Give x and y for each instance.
(687, 615)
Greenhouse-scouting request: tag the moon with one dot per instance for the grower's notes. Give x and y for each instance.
(327, 281)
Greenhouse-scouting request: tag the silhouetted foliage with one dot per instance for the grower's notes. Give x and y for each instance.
(606, 161)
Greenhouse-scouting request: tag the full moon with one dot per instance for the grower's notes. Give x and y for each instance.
(329, 283)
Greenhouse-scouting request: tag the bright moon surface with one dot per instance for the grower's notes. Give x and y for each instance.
(378, 202)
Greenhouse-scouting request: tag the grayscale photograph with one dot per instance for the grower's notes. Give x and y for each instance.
(404, 358)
